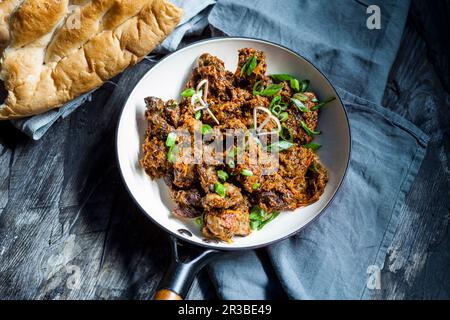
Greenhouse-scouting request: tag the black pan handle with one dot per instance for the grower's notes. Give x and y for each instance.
(178, 279)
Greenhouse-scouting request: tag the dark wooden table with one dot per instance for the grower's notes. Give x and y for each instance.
(69, 230)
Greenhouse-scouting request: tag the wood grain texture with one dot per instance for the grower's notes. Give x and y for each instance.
(69, 230)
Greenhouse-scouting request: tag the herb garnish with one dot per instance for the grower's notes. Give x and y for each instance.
(249, 66)
(259, 218)
(188, 93)
(308, 130)
(321, 104)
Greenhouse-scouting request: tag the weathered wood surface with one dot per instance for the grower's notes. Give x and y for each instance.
(69, 230)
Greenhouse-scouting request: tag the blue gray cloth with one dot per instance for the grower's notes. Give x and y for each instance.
(335, 256)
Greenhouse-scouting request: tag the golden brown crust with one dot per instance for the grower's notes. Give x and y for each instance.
(6, 7)
(34, 19)
(53, 68)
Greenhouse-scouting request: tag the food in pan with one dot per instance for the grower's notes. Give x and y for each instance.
(55, 50)
(237, 148)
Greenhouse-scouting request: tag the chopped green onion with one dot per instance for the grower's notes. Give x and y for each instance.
(313, 168)
(315, 100)
(271, 90)
(199, 221)
(304, 85)
(308, 130)
(312, 146)
(222, 175)
(275, 101)
(247, 173)
(256, 186)
(206, 129)
(283, 131)
(249, 66)
(299, 105)
(320, 105)
(259, 218)
(257, 87)
(188, 93)
(281, 77)
(231, 164)
(219, 189)
(171, 139)
(283, 116)
(280, 146)
(294, 84)
(171, 154)
(300, 96)
(276, 110)
(198, 115)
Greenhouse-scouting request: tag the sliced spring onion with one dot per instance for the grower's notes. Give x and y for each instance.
(280, 146)
(308, 130)
(271, 90)
(206, 129)
(283, 116)
(275, 101)
(247, 173)
(188, 93)
(276, 109)
(172, 154)
(299, 105)
(257, 87)
(219, 189)
(199, 221)
(321, 104)
(281, 77)
(222, 175)
(231, 164)
(171, 139)
(259, 218)
(313, 168)
(198, 115)
(312, 146)
(286, 133)
(256, 186)
(294, 84)
(300, 96)
(304, 85)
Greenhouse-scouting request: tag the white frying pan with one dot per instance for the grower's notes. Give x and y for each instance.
(166, 80)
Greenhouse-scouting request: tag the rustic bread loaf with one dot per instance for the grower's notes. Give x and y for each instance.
(60, 49)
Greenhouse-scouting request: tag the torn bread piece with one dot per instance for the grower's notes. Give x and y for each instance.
(60, 49)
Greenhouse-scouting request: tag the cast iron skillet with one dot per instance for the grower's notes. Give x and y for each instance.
(166, 80)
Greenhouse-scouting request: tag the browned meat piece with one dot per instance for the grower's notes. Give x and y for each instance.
(154, 104)
(158, 126)
(274, 194)
(208, 177)
(295, 161)
(189, 203)
(227, 223)
(171, 113)
(154, 160)
(183, 174)
(258, 73)
(296, 116)
(220, 80)
(232, 198)
(187, 198)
